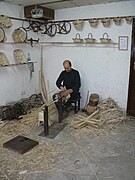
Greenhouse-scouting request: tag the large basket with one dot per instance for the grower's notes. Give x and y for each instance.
(3, 59)
(78, 24)
(93, 22)
(105, 39)
(20, 56)
(5, 22)
(2, 35)
(19, 35)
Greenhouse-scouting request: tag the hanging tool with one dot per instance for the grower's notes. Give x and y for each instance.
(33, 40)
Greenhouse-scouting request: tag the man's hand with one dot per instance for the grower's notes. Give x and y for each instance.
(70, 91)
(63, 88)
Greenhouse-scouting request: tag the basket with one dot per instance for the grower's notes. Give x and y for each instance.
(78, 24)
(93, 22)
(106, 22)
(2, 35)
(105, 40)
(117, 20)
(19, 35)
(90, 38)
(3, 59)
(129, 19)
(5, 22)
(37, 13)
(20, 56)
(77, 38)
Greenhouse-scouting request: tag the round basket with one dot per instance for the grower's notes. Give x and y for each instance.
(93, 23)
(19, 35)
(2, 35)
(5, 22)
(20, 56)
(78, 24)
(106, 22)
(3, 59)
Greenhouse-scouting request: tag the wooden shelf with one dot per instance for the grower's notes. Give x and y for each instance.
(112, 43)
(10, 65)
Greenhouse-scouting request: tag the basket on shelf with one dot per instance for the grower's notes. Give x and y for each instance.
(106, 22)
(117, 20)
(90, 38)
(105, 39)
(129, 19)
(19, 35)
(93, 22)
(77, 38)
(5, 22)
(20, 56)
(2, 35)
(78, 24)
(3, 59)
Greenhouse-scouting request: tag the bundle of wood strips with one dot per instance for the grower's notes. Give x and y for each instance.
(108, 112)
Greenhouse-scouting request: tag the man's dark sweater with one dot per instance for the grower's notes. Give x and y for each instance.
(71, 80)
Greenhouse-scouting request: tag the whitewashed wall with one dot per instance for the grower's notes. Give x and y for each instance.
(15, 81)
(103, 70)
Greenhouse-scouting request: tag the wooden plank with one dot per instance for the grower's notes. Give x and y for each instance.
(10, 65)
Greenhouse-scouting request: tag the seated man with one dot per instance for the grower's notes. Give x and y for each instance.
(69, 81)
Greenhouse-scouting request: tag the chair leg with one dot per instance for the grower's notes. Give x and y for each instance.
(75, 109)
(79, 105)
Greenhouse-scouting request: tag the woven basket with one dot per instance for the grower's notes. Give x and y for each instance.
(129, 19)
(77, 38)
(2, 35)
(3, 59)
(20, 56)
(105, 40)
(106, 22)
(5, 22)
(90, 38)
(93, 22)
(78, 24)
(117, 20)
(19, 35)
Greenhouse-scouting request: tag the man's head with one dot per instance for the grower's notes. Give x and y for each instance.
(67, 65)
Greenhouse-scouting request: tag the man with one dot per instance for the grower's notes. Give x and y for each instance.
(68, 82)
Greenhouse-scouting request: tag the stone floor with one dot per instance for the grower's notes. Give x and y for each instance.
(84, 154)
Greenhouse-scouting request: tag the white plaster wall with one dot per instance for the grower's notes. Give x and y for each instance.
(103, 70)
(15, 81)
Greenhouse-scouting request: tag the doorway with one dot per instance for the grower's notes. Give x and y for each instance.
(131, 90)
